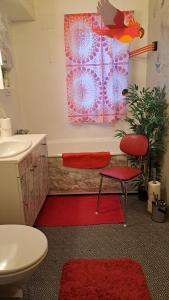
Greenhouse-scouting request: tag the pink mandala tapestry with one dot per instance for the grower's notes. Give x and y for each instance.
(96, 72)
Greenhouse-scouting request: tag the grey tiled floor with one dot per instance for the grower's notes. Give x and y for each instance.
(143, 240)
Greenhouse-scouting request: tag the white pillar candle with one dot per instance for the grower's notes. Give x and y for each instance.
(154, 187)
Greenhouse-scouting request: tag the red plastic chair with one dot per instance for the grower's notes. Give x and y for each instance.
(132, 145)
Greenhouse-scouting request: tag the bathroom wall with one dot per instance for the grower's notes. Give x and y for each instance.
(18, 10)
(9, 100)
(158, 63)
(40, 71)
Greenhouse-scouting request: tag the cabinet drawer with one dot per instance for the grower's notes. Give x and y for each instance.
(44, 150)
(31, 159)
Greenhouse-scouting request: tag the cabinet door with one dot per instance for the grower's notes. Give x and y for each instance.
(33, 172)
(36, 171)
(27, 190)
(40, 174)
(43, 173)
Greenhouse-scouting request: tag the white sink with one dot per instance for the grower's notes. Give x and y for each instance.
(13, 147)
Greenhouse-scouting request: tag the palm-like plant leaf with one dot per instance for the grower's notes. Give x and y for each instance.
(148, 115)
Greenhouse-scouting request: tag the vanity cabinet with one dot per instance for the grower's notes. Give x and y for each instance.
(24, 186)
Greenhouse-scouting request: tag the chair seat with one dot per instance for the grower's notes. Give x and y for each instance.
(121, 172)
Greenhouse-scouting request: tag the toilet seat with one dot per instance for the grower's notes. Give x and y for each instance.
(21, 271)
(21, 247)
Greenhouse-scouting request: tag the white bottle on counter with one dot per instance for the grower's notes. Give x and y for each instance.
(6, 127)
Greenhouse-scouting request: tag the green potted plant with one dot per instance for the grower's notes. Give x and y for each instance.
(147, 114)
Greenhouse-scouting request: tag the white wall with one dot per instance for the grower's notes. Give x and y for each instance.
(17, 10)
(40, 65)
(9, 103)
(158, 64)
(9, 100)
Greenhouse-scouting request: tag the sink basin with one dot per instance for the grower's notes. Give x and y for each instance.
(13, 147)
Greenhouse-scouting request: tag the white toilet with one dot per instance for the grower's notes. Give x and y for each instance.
(22, 249)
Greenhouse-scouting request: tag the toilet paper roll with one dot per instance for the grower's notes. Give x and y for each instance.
(153, 188)
(6, 123)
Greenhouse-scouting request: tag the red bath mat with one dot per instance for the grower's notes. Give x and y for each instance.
(80, 210)
(104, 279)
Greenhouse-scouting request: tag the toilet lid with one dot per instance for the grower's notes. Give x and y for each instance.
(20, 247)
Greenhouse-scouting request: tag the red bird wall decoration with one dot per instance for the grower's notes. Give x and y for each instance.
(117, 24)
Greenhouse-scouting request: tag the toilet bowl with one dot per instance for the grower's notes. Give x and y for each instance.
(22, 249)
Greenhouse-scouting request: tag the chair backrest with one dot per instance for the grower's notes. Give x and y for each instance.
(134, 144)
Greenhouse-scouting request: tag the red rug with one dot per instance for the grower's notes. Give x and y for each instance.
(80, 210)
(104, 279)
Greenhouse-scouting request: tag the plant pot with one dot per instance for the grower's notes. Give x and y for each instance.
(158, 214)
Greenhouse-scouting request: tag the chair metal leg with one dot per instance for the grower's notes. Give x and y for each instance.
(126, 201)
(124, 191)
(98, 197)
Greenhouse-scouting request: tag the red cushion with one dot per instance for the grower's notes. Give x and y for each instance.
(122, 172)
